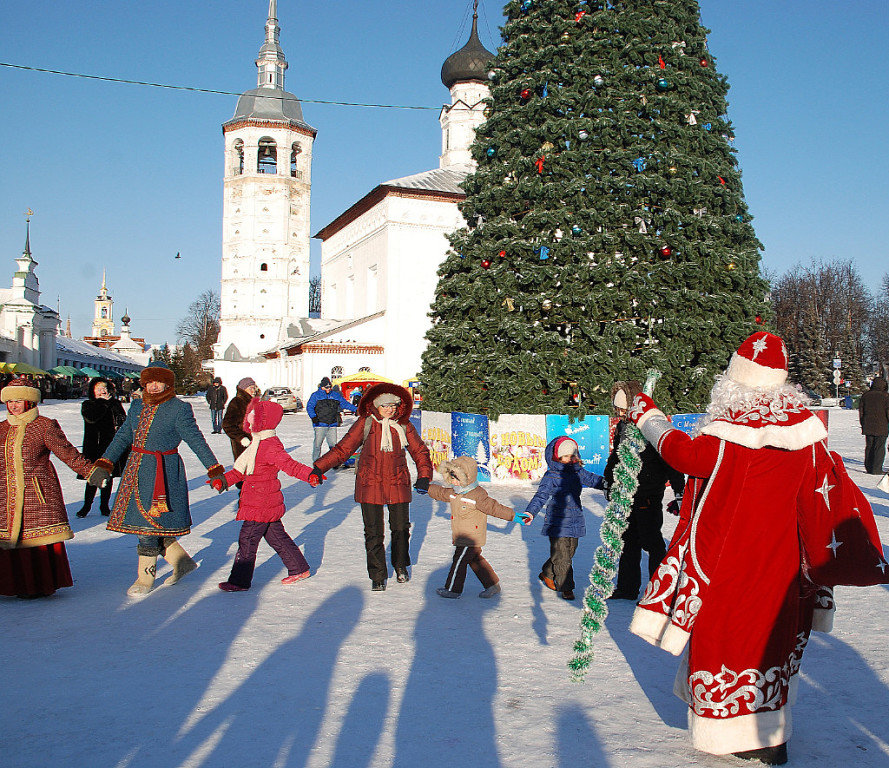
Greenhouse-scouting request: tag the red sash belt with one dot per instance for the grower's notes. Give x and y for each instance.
(159, 495)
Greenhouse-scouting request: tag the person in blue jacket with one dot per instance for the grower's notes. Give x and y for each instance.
(564, 522)
(323, 409)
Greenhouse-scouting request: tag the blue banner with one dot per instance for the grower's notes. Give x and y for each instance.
(469, 437)
(591, 435)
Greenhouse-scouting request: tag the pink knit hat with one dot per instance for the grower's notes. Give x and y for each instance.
(760, 362)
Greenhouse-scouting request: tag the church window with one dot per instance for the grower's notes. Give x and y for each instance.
(336, 372)
(263, 267)
(104, 312)
(295, 150)
(267, 156)
(238, 157)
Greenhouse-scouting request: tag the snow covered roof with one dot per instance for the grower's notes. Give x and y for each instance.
(66, 347)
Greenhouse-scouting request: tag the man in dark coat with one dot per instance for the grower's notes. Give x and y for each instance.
(647, 514)
(233, 421)
(873, 413)
(217, 397)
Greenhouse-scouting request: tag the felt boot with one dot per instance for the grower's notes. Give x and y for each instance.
(145, 580)
(182, 563)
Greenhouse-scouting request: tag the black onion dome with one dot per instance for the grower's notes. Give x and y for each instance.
(469, 63)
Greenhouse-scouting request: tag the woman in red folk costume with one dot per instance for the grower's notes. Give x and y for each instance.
(770, 522)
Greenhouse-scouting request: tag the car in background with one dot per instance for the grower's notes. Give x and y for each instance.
(285, 397)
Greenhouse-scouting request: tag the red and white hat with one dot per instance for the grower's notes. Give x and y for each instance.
(564, 446)
(760, 362)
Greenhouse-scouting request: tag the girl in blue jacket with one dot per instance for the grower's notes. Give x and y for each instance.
(563, 523)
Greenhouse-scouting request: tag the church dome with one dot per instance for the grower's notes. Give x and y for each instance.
(469, 63)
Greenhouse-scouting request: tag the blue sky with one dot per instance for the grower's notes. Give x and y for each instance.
(124, 177)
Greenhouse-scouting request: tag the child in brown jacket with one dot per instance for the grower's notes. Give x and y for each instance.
(470, 506)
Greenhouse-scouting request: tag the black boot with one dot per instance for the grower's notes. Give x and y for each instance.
(104, 500)
(768, 755)
(88, 495)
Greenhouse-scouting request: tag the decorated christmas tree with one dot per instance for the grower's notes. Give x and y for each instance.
(607, 229)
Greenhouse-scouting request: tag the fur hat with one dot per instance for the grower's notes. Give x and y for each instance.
(20, 389)
(157, 371)
(387, 398)
(246, 382)
(565, 446)
(217, 380)
(325, 382)
(760, 362)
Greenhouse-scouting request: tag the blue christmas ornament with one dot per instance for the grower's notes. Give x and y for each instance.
(639, 164)
(567, 144)
(576, 230)
(526, 5)
(545, 89)
(708, 126)
(490, 151)
(739, 218)
(543, 251)
(663, 84)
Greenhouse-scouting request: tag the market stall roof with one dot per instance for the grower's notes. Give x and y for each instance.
(362, 376)
(26, 368)
(91, 372)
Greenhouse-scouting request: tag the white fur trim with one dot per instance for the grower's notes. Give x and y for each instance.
(31, 394)
(741, 733)
(822, 621)
(674, 639)
(752, 374)
(648, 625)
(791, 438)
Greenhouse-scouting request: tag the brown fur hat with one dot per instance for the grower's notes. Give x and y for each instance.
(157, 371)
(366, 405)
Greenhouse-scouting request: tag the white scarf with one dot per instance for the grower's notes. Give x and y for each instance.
(386, 437)
(246, 462)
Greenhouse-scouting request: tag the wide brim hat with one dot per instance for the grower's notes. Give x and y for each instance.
(760, 362)
(20, 389)
(157, 371)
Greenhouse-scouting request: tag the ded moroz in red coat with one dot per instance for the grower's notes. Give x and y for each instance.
(261, 499)
(770, 521)
(382, 477)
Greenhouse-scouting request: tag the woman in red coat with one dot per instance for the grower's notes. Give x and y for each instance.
(383, 431)
(261, 503)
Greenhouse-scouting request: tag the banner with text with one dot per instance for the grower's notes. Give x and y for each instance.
(517, 443)
(469, 437)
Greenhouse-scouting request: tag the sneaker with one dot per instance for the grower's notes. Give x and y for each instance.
(494, 589)
(769, 755)
(442, 592)
(401, 575)
(295, 577)
(567, 594)
(227, 586)
(378, 586)
(547, 582)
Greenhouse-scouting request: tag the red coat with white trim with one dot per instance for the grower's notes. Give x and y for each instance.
(762, 527)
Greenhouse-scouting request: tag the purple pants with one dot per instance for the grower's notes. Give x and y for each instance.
(248, 543)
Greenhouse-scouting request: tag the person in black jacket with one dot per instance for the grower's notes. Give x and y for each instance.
(873, 413)
(647, 514)
(102, 416)
(217, 397)
(233, 421)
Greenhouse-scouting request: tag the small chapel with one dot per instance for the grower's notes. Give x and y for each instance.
(379, 258)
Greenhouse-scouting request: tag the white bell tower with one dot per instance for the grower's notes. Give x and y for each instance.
(265, 210)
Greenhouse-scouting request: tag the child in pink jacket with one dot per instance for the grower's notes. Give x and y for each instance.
(261, 504)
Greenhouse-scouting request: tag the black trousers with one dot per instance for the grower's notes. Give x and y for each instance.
(874, 453)
(559, 567)
(643, 532)
(470, 557)
(104, 499)
(374, 535)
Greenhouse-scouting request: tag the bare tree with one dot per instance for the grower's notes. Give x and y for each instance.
(878, 329)
(315, 295)
(200, 327)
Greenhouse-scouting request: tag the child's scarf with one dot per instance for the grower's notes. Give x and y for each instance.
(246, 462)
(386, 437)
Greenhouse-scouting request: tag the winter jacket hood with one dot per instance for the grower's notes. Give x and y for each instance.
(366, 406)
(460, 472)
(262, 415)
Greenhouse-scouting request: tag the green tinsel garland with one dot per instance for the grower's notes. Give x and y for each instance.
(626, 481)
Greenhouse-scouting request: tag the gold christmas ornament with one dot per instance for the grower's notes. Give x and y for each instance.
(730, 266)
(672, 170)
(546, 305)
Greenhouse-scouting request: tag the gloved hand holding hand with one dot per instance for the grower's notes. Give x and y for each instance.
(422, 485)
(522, 517)
(99, 477)
(674, 506)
(316, 478)
(218, 484)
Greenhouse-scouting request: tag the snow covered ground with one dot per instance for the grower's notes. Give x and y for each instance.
(327, 673)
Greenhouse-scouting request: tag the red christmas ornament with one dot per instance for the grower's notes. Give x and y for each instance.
(721, 180)
(539, 163)
(661, 63)
(502, 254)
(666, 251)
(525, 94)
(578, 16)
(759, 319)
(485, 263)
(704, 62)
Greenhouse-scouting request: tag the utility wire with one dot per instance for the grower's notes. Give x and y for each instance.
(207, 90)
